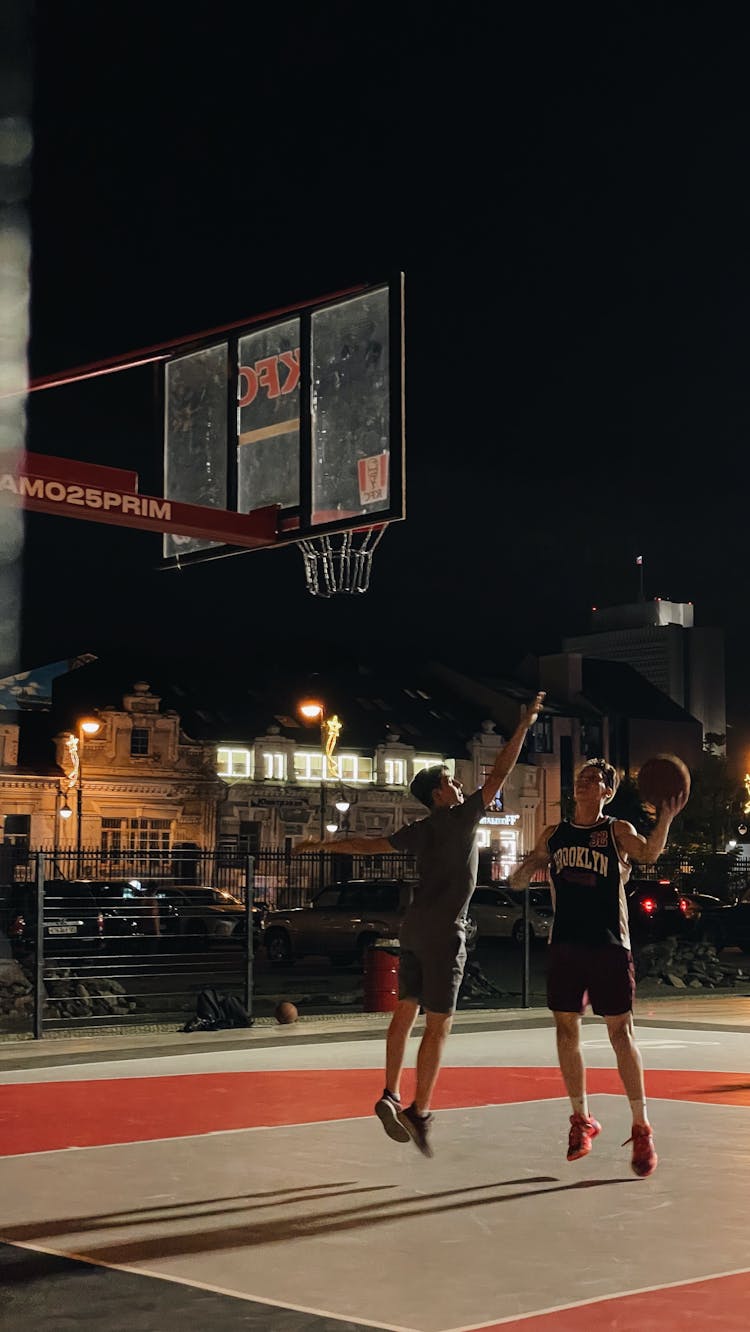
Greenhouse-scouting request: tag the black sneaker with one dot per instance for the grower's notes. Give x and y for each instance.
(387, 1110)
(417, 1127)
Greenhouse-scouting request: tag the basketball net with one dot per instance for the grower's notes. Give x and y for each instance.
(340, 562)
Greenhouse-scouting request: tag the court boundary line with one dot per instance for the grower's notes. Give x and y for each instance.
(204, 1285)
(597, 1299)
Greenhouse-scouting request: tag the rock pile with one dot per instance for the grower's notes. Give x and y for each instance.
(66, 994)
(16, 991)
(70, 996)
(694, 966)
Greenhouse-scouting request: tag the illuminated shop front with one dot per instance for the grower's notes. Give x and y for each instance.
(499, 834)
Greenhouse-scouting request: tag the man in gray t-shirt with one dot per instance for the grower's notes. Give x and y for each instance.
(433, 938)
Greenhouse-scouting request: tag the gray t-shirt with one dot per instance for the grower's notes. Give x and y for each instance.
(445, 846)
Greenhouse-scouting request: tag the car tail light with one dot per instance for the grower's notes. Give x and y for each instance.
(16, 927)
(648, 905)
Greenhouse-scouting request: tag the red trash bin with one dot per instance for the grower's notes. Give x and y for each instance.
(381, 976)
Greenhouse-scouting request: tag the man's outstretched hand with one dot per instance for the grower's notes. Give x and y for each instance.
(534, 708)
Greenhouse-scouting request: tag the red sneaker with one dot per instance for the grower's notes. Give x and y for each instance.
(644, 1159)
(582, 1132)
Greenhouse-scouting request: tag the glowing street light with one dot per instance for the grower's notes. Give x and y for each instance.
(312, 709)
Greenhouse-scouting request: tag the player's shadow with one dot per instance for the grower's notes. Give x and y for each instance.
(176, 1211)
(312, 1225)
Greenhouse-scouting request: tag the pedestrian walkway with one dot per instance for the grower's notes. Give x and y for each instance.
(240, 1180)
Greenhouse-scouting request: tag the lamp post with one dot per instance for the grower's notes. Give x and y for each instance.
(330, 730)
(87, 726)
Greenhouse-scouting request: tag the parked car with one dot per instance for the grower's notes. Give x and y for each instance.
(340, 922)
(725, 924)
(201, 913)
(83, 915)
(498, 912)
(72, 919)
(656, 910)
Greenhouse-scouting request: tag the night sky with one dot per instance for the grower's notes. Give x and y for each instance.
(566, 191)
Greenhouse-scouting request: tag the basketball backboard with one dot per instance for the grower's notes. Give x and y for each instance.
(302, 409)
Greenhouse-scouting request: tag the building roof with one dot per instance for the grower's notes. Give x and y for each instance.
(239, 700)
(614, 686)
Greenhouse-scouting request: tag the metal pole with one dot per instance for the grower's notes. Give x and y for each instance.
(525, 955)
(79, 826)
(79, 833)
(249, 959)
(322, 780)
(39, 950)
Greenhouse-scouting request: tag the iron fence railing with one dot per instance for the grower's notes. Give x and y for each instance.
(131, 936)
(282, 879)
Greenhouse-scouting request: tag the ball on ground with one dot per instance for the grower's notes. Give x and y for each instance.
(663, 777)
(286, 1012)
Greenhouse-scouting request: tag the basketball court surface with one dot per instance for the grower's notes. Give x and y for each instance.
(253, 1188)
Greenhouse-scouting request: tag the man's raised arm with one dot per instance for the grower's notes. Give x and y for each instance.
(508, 756)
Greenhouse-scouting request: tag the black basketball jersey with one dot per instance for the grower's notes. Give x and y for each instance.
(588, 885)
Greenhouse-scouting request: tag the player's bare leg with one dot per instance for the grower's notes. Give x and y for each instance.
(387, 1108)
(583, 1128)
(416, 1118)
(630, 1068)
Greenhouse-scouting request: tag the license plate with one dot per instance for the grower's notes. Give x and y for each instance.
(63, 929)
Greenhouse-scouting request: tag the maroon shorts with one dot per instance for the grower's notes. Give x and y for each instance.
(578, 974)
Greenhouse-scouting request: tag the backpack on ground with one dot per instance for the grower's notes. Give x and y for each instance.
(215, 1011)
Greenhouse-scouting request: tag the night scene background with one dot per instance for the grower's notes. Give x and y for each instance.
(565, 190)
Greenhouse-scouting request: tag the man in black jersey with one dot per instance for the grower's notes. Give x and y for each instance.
(589, 959)
(433, 932)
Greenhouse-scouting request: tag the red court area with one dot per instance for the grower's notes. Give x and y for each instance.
(36, 1117)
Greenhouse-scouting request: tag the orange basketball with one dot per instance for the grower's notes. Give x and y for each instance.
(286, 1012)
(662, 778)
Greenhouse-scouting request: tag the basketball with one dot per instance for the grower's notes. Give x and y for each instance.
(662, 778)
(286, 1012)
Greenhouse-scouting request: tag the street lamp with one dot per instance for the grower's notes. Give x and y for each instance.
(343, 806)
(74, 745)
(330, 729)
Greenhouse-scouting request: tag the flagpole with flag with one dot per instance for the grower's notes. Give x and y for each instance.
(639, 562)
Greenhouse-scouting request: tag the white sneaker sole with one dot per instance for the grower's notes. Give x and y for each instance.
(388, 1115)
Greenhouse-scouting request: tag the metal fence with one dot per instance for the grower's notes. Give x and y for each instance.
(101, 939)
(281, 879)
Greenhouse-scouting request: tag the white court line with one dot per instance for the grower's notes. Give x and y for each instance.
(204, 1285)
(598, 1299)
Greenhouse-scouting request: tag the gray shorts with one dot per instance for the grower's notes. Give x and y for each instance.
(432, 975)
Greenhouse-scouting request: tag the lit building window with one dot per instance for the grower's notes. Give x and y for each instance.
(354, 768)
(308, 765)
(234, 762)
(432, 761)
(274, 767)
(395, 772)
(135, 835)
